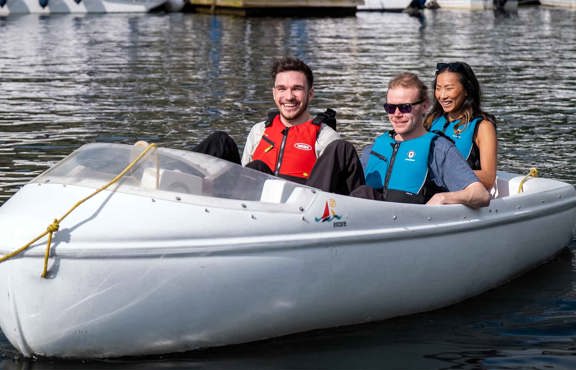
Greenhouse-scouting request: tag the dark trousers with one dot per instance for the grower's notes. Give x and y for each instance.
(338, 170)
(219, 144)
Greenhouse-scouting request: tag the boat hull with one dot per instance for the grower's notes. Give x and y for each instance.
(84, 6)
(384, 5)
(570, 4)
(170, 276)
(509, 5)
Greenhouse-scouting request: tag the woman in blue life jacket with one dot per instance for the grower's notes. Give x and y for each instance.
(456, 112)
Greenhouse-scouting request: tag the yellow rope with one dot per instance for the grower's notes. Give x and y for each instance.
(533, 173)
(54, 226)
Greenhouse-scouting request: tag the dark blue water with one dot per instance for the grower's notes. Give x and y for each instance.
(172, 79)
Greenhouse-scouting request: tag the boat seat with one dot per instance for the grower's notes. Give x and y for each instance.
(496, 191)
(273, 191)
(171, 180)
(300, 194)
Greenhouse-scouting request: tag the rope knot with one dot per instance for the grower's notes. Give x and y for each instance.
(53, 227)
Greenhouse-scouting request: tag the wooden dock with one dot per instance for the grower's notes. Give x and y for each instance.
(315, 8)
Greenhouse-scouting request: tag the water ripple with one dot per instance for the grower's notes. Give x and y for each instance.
(172, 79)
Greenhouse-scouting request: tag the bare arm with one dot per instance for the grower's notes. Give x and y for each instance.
(488, 145)
(474, 195)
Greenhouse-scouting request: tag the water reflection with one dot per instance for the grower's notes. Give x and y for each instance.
(174, 78)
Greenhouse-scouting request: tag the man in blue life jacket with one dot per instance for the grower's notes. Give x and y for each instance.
(411, 165)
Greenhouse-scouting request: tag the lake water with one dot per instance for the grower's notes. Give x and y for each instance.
(171, 79)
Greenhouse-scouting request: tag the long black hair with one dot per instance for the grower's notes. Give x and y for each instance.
(471, 106)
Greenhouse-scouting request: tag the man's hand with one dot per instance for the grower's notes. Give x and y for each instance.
(474, 195)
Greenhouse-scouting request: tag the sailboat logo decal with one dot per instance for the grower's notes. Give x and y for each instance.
(329, 213)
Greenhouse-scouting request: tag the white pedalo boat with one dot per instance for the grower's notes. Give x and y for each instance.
(187, 251)
(8, 7)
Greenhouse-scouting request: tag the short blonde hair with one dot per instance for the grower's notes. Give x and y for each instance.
(409, 80)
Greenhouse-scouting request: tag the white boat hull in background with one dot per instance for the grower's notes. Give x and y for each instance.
(83, 6)
(384, 5)
(570, 4)
(508, 5)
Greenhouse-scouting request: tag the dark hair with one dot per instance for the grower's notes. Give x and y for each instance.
(471, 106)
(409, 80)
(292, 64)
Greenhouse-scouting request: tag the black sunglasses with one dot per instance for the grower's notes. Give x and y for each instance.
(404, 108)
(452, 67)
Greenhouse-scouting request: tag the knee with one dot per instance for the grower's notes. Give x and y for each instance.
(220, 136)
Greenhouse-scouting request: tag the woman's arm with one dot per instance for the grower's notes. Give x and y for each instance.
(488, 145)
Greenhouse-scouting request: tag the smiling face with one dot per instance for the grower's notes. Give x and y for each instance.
(450, 93)
(292, 96)
(407, 125)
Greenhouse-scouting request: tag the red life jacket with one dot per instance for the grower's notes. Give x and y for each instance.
(289, 151)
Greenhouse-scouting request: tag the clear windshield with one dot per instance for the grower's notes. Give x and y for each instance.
(163, 170)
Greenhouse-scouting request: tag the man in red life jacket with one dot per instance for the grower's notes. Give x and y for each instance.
(291, 143)
(294, 145)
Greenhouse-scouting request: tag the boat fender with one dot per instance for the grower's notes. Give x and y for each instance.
(328, 117)
(43, 3)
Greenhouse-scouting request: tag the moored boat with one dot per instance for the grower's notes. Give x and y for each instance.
(156, 250)
(323, 8)
(8, 7)
(570, 4)
(509, 5)
(384, 5)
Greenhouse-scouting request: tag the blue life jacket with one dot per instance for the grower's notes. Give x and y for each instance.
(400, 168)
(463, 137)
